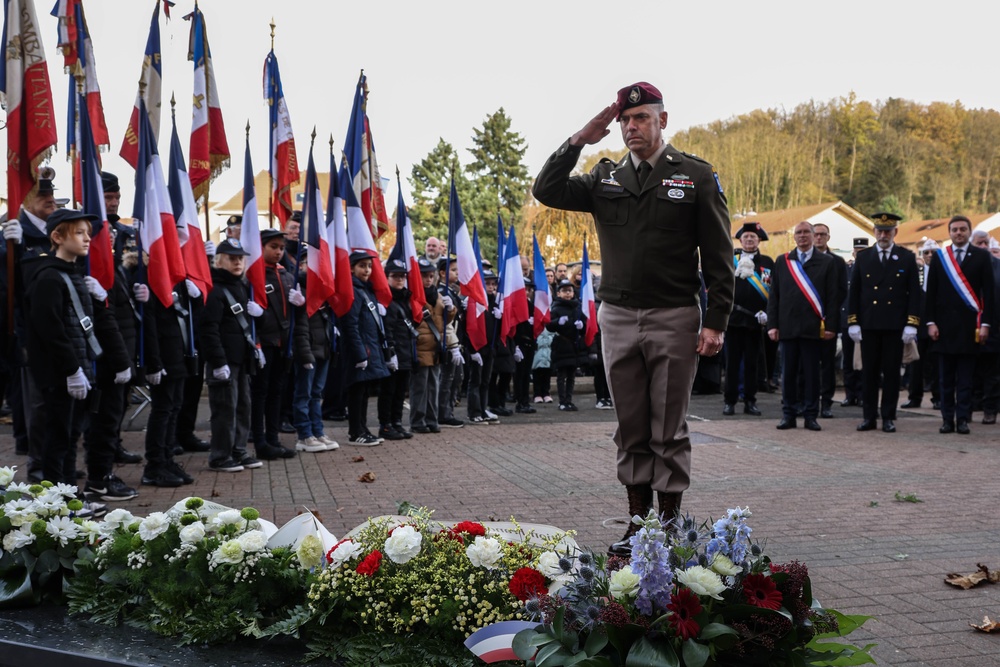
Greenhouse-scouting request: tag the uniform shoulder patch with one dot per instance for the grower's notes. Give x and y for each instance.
(695, 157)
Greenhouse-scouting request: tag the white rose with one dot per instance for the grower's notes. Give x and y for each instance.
(345, 552)
(7, 475)
(253, 541)
(8, 540)
(623, 584)
(114, 520)
(403, 544)
(192, 533)
(228, 517)
(724, 566)
(153, 526)
(484, 552)
(701, 581)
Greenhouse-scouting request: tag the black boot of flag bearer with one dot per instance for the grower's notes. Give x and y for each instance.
(640, 501)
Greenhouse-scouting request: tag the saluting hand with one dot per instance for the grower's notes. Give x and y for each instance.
(597, 128)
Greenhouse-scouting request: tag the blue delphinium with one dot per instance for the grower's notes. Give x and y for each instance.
(731, 536)
(651, 561)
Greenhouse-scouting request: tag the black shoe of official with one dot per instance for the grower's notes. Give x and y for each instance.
(848, 402)
(888, 426)
(194, 444)
(423, 430)
(962, 426)
(161, 478)
(286, 427)
(812, 425)
(273, 453)
(501, 412)
(398, 428)
(910, 404)
(989, 417)
(728, 409)
(177, 470)
(110, 489)
(387, 432)
(335, 416)
(123, 455)
(948, 427)
(786, 423)
(750, 408)
(826, 413)
(521, 410)
(868, 425)
(177, 450)
(936, 405)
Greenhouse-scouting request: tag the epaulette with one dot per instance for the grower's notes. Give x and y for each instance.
(607, 160)
(695, 157)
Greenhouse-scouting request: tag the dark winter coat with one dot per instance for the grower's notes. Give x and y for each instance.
(125, 310)
(399, 328)
(272, 327)
(220, 337)
(568, 349)
(166, 331)
(362, 336)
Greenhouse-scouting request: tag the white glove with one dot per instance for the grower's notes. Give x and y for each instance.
(140, 292)
(192, 289)
(295, 297)
(456, 357)
(497, 313)
(563, 320)
(259, 353)
(78, 385)
(254, 309)
(221, 373)
(854, 331)
(121, 377)
(909, 334)
(155, 378)
(12, 231)
(447, 302)
(761, 317)
(477, 358)
(381, 310)
(95, 288)
(362, 364)
(209, 249)
(336, 332)
(518, 355)
(393, 363)
(531, 320)
(309, 367)
(578, 324)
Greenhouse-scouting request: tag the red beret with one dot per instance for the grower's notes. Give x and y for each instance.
(636, 95)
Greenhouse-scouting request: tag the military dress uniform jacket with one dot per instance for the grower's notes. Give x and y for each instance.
(651, 237)
(789, 312)
(954, 319)
(884, 297)
(747, 301)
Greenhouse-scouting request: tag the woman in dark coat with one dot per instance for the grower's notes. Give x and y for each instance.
(568, 352)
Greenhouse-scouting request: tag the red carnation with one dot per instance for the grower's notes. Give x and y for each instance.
(370, 565)
(527, 583)
(471, 527)
(760, 591)
(685, 606)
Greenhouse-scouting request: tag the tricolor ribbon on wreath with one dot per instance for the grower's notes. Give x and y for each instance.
(754, 279)
(808, 290)
(961, 284)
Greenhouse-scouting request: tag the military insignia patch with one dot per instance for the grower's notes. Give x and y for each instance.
(611, 180)
(681, 177)
(675, 193)
(717, 181)
(676, 183)
(634, 94)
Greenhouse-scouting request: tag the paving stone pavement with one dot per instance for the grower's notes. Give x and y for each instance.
(827, 499)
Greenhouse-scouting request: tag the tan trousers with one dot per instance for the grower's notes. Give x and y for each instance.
(650, 360)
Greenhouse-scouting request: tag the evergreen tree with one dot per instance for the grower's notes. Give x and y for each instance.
(498, 168)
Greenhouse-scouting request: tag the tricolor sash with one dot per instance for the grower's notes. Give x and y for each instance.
(808, 289)
(755, 279)
(961, 283)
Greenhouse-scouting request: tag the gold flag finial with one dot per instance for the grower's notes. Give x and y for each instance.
(272, 24)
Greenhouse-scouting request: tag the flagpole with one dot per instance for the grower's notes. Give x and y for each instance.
(270, 157)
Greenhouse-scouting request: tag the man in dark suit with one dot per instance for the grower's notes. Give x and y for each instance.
(959, 315)
(987, 378)
(927, 365)
(883, 314)
(852, 378)
(802, 311)
(828, 348)
(744, 336)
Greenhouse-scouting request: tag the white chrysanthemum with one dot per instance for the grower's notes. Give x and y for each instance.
(403, 544)
(18, 539)
(62, 529)
(724, 566)
(7, 475)
(153, 526)
(624, 583)
(484, 552)
(253, 541)
(20, 511)
(193, 533)
(20, 487)
(701, 581)
(64, 490)
(344, 552)
(228, 552)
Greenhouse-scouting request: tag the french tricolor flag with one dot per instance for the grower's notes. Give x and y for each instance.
(406, 251)
(340, 250)
(148, 96)
(155, 217)
(360, 239)
(587, 299)
(543, 291)
(470, 278)
(319, 269)
(101, 260)
(363, 164)
(78, 58)
(515, 297)
(495, 643)
(209, 148)
(189, 234)
(475, 321)
(250, 235)
(284, 166)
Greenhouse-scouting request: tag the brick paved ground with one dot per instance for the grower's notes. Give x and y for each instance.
(824, 498)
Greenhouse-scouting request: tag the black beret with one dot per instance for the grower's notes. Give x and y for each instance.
(109, 182)
(62, 215)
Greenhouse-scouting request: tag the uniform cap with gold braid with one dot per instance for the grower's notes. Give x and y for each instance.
(886, 220)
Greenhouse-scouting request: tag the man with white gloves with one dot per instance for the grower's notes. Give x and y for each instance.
(883, 314)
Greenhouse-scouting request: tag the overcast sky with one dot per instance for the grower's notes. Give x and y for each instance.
(439, 68)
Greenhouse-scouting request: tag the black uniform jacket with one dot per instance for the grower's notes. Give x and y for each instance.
(884, 297)
(747, 301)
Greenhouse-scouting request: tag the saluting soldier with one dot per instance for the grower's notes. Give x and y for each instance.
(744, 342)
(883, 315)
